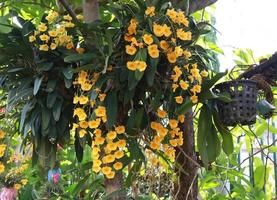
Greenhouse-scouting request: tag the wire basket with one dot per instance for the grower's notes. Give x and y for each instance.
(242, 107)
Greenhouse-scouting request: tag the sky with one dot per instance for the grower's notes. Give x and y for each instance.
(246, 24)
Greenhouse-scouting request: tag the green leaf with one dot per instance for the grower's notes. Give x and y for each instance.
(16, 70)
(143, 54)
(115, 9)
(138, 75)
(227, 143)
(132, 81)
(207, 95)
(261, 128)
(87, 165)
(207, 84)
(272, 129)
(151, 71)
(156, 102)
(27, 192)
(185, 107)
(224, 96)
(141, 4)
(45, 116)
(27, 107)
(204, 124)
(57, 108)
(244, 56)
(93, 95)
(79, 57)
(273, 149)
(214, 47)
(213, 144)
(68, 73)
(37, 84)
(35, 120)
(131, 121)
(53, 132)
(133, 173)
(45, 66)
(204, 28)
(128, 95)
(78, 148)
(81, 185)
(51, 85)
(4, 24)
(27, 28)
(111, 105)
(51, 98)
(259, 174)
(27, 128)
(67, 83)
(16, 95)
(210, 185)
(139, 117)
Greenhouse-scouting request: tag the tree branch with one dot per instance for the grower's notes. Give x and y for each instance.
(267, 68)
(261, 150)
(195, 5)
(199, 5)
(67, 7)
(191, 186)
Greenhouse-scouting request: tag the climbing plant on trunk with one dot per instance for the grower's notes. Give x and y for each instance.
(126, 81)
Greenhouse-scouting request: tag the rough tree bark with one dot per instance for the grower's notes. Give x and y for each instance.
(267, 68)
(186, 184)
(91, 10)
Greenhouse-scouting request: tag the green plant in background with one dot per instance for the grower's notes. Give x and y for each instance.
(245, 174)
(39, 81)
(13, 165)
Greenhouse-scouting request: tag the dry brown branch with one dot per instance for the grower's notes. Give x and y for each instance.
(67, 7)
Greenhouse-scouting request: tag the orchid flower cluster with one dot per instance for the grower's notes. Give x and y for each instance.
(54, 33)
(166, 37)
(16, 166)
(108, 146)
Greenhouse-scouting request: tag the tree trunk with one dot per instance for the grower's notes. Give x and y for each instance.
(115, 185)
(91, 10)
(46, 153)
(186, 185)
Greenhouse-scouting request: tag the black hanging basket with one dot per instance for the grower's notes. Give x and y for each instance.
(242, 108)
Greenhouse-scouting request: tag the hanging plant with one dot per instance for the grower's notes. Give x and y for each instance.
(242, 106)
(132, 88)
(133, 97)
(38, 80)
